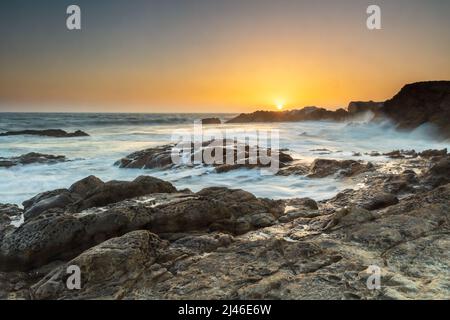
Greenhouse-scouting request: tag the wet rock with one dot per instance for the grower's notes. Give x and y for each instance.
(433, 153)
(10, 210)
(158, 157)
(401, 154)
(241, 156)
(295, 169)
(55, 133)
(31, 158)
(321, 168)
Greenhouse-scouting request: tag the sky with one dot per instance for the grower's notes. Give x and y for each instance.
(215, 55)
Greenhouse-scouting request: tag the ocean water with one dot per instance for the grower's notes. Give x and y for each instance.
(113, 136)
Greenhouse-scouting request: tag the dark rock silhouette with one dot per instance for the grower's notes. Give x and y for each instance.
(31, 158)
(211, 121)
(55, 133)
(420, 103)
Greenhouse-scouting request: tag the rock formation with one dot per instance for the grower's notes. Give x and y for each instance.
(55, 133)
(30, 158)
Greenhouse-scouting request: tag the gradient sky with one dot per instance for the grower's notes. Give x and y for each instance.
(215, 55)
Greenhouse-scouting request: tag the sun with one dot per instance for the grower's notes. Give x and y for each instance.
(279, 104)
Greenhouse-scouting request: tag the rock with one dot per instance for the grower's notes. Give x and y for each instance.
(91, 192)
(108, 270)
(321, 168)
(299, 208)
(438, 174)
(55, 133)
(318, 257)
(379, 201)
(86, 185)
(31, 158)
(358, 107)
(305, 114)
(295, 169)
(401, 154)
(27, 204)
(433, 153)
(158, 157)
(116, 191)
(63, 235)
(419, 103)
(50, 237)
(348, 216)
(216, 209)
(374, 154)
(161, 157)
(401, 183)
(10, 210)
(59, 201)
(211, 121)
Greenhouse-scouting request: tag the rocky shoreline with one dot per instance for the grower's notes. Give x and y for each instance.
(145, 239)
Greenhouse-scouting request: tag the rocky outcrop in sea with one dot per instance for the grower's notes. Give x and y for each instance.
(54, 133)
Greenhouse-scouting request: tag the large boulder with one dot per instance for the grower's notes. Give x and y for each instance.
(116, 191)
(92, 192)
(107, 270)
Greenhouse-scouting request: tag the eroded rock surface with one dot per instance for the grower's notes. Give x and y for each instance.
(227, 244)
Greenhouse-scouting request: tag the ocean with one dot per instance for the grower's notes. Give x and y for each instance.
(115, 135)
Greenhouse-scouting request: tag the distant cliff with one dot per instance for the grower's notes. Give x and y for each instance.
(414, 105)
(305, 114)
(419, 103)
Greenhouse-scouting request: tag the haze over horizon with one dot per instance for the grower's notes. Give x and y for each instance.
(216, 56)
